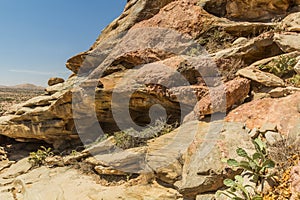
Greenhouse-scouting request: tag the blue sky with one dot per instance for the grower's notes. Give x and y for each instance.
(38, 36)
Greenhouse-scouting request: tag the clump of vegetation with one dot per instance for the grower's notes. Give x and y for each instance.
(280, 67)
(216, 39)
(38, 158)
(255, 166)
(286, 154)
(295, 80)
(131, 138)
(237, 188)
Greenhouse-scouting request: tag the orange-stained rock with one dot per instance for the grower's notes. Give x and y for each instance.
(182, 16)
(284, 112)
(223, 97)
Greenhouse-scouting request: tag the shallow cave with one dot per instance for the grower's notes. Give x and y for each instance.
(216, 7)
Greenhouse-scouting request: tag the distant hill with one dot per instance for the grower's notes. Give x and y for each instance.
(27, 86)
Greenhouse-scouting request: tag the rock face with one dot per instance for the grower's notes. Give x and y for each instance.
(45, 117)
(250, 10)
(189, 158)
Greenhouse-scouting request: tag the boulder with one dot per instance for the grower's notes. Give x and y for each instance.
(222, 98)
(203, 169)
(254, 50)
(55, 80)
(188, 158)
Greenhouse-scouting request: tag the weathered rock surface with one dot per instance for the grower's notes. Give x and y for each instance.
(134, 12)
(183, 16)
(250, 10)
(264, 78)
(222, 98)
(208, 149)
(291, 23)
(47, 117)
(173, 157)
(283, 112)
(256, 49)
(35, 185)
(282, 92)
(288, 42)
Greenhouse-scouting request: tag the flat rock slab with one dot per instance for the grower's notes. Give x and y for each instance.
(66, 183)
(17, 169)
(264, 78)
(203, 169)
(288, 42)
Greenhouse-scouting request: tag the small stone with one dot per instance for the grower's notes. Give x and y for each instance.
(273, 137)
(279, 92)
(55, 161)
(108, 171)
(21, 167)
(240, 40)
(254, 133)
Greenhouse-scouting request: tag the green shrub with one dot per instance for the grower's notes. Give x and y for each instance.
(38, 158)
(255, 166)
(236, 188)
(295, 80)
(131, 138)
(281, 66)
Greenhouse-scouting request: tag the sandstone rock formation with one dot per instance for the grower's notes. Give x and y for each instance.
(180, 61)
